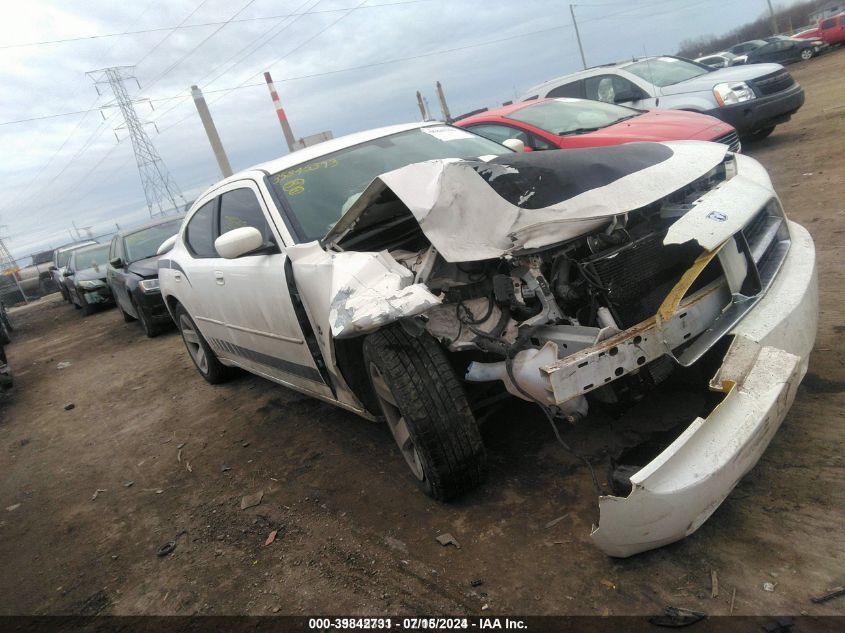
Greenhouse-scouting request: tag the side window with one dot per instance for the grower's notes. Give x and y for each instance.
(241, 208)
(574, 89)
(828, 24)
(842, 20)
(611, 89)
(113, 247)
(199, 234)
(500, 133)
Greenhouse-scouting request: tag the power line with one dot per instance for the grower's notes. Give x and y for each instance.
(182, 25)
(172, 31)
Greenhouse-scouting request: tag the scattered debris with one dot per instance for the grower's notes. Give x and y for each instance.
(69, 406)
(485, 607)
(129, 484)
(97, 493)
(676, 617)
(554, 522)
(188, 467)
(181, 446)
(14, 507)
(830, 595)
(608, 584)
(476, 583)
(395, 543)
(733, 600)
(63, 365)
(159, 491)
(225, 469)
(270, 538)
(769, 586)
(448, 539)
(714, 584)
(245, 444)
(166, 549)
(179, 456)
(248, 501)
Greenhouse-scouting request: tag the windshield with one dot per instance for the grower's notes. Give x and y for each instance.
(567, 116)
(90, 257)
(666, 71)
(145, 243)
(319, 192)
(63, 258)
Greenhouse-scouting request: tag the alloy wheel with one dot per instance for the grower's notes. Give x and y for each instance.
(396, 422)
(192, 342)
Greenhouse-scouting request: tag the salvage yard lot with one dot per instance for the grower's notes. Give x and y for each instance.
(354, 534)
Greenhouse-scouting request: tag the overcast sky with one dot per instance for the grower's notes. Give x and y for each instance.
(339, 65)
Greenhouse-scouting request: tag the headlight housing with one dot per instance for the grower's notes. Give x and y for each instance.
(149, 286)
(730, 93)
(91, 284)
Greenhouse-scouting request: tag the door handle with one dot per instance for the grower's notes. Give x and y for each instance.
(218, 276)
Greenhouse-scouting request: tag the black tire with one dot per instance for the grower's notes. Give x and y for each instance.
(4, 333)
(807, 53)
(434, 407)
(212, 370)
(150, 329)
(127, 318)
(88, 308)
(759, 135)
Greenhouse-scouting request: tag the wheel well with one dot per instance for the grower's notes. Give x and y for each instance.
(171, 302)
(349, 356)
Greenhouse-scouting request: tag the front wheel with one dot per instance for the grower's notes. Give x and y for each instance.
(150, 329)
(427, 411)
(204, 359)
(806, 54)
(759, 135)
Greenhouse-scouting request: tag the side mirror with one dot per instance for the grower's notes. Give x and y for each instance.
(116, 262)
(515, 144)
(239, 242)
(167, 244)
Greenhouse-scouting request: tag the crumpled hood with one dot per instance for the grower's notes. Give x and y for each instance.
(731, 73)
(145, 267)
(474, 210)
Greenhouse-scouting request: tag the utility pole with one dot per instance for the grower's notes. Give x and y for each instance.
(8, 263)
(211, 132)
(577, 36)
(421, 104)
(160, 190)
(443, 107)
(775, 29)
(280, 111)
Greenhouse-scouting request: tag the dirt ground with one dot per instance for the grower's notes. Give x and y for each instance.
(354, 534)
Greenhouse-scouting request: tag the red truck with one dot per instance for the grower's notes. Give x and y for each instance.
(832, 29)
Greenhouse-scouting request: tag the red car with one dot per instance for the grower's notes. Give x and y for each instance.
(574, 123)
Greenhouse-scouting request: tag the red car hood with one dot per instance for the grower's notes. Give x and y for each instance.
(664, 125)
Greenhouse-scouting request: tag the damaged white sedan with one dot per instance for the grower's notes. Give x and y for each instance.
(417, 272)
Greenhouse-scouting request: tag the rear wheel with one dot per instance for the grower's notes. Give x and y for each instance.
(204, 359)
(427, 412)
(88, 308)
(126, 317)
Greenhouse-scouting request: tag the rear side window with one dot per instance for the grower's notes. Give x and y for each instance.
(199, 234)
(240, 208)
(575, 89)
(828, 24)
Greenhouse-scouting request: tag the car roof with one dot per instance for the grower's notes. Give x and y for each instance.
(589, 72)
(326, 147)
(90, 247)
(150, 224)
(503, 111)
(74, 245)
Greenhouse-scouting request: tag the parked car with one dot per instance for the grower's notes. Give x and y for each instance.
(832, 29)
(720, 60)
(85, 278)
(6, 328)
(570, 123)
(783, 50)
(753, 99)
(61, 257)
(6, 379)
(132, 273)
(743, 48)
(36, 279)
(417, 271)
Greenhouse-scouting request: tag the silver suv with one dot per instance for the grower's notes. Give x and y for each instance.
(753, 98)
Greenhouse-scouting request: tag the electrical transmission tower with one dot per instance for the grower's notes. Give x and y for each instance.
(160, 190)
(9, 267)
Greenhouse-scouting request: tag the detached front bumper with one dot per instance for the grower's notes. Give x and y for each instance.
(673, 495)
